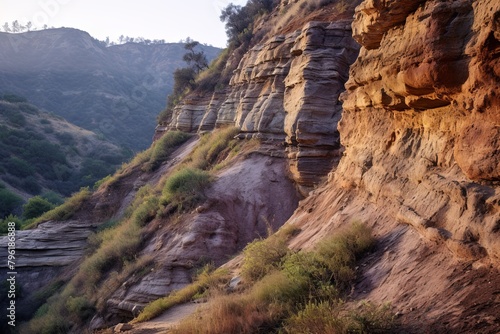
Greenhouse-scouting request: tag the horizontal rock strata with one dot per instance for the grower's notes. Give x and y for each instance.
(284, 90)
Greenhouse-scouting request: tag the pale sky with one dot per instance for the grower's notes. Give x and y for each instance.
(171, 20)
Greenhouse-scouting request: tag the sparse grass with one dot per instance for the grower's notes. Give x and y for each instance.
(112, 254)
(336, 318)
(340, 252)
(163, 147)
(294, 292)
(212, 149)
(132, 271)
(262, 257)
(185, 188)
(233, 314)
(65, 210)
(205, 280)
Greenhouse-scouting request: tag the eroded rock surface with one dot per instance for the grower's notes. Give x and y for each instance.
(285, 89)
(421, 123)
(421, 162)
(247, 200)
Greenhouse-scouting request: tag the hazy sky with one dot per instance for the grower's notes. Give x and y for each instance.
(171, 20)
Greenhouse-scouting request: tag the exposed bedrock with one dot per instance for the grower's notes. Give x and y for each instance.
(421, 126)
(285, 90)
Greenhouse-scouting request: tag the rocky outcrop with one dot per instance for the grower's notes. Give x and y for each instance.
(420, 128)
(321, 56)
(247, 200)
(421, 121)
(285, 90)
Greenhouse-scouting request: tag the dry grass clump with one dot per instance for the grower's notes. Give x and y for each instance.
(65, 210)
(295, 292)
(213, 148)
(185, 188)
(335, 318)
(163, 147)
(207, 279)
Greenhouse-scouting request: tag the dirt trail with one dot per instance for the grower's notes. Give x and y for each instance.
(166, 321)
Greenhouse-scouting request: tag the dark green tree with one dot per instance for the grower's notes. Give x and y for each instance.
(239, 20)
(196, 60)
(9, 202)
(35, 207)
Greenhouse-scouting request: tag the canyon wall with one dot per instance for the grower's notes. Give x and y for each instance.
(284, 90)
(421, 134)
(421, 122)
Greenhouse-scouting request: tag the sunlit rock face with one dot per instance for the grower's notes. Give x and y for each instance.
(421, 121)
(285, 90)
(322, 54)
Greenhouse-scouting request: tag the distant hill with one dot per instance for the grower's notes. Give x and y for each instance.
(40, 152)
(117, 91)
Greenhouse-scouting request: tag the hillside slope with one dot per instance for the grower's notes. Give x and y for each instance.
(410, 149)
(117, 91)
(41, 152)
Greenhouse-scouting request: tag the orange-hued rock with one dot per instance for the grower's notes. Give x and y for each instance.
(421, 133)
(285, 89)
(421, 121)
(321, 54)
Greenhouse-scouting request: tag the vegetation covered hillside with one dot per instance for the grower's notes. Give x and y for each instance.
(42, 153)
(115, 90)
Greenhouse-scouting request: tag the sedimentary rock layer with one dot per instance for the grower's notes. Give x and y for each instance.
(285, 89)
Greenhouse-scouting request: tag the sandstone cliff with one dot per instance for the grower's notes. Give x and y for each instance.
(285, 90)
(420, 128)
(415, 156)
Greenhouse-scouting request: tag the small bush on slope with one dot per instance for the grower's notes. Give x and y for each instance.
(298, 295)
(163, 147)
(65, 210)
(185, 188)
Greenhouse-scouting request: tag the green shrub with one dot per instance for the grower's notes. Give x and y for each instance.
(52, 197)
(65, 210)
(210, 148)
(340, 252)
(317, 318)
(146, 211)
(30, 185)
(4, 223)
(35, 207)
(19, 167)
(163, 147)
(335, 317)
(80, 307)
(262, 257)
(185, 187)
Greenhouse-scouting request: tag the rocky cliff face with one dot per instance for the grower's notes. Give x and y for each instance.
(421, 120)
(285, 90)
(420, 128)
(418, 145)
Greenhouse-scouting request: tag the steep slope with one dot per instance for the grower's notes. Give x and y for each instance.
(420, 131)
(41, 152)
(116, 91)
(417, 161)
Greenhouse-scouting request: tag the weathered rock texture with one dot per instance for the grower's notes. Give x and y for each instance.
(285, 89)
(247, 200)
(320, 57)
(422, 119)
(421, 127)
